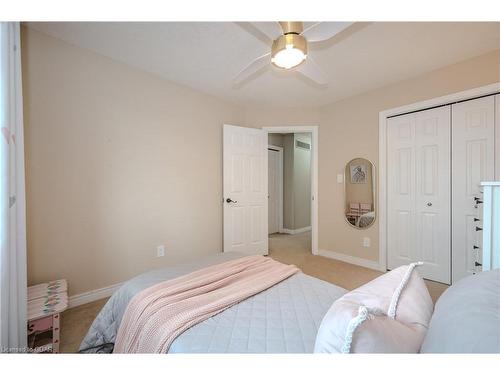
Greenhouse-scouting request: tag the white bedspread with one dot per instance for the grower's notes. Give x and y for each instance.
(282, 319)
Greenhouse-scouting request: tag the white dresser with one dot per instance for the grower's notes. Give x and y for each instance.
(491, 225)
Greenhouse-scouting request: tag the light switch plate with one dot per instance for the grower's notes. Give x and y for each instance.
(340, 178)
(160, 251)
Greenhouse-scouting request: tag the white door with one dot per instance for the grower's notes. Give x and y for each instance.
(245, 190)
(419, 223)
(274, 184)
(473, 155)
(433, 221)
(401, 190)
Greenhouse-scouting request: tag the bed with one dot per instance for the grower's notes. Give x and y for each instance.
(282, 319)
(302, 314)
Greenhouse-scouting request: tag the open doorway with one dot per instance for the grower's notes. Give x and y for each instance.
(291, 178)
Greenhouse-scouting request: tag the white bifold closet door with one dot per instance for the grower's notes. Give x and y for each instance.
(419, 162)
(473, 150)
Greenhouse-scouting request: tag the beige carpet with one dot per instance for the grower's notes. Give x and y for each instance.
(291, 249)
(296, 249)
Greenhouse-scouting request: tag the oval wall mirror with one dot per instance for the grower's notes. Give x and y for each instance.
(359, 193)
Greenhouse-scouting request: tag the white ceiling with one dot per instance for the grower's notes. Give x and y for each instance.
(206, 56)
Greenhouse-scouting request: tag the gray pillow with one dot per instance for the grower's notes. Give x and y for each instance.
(466, 318)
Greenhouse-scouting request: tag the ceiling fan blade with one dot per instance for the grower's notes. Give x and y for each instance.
(252, 68)
(324, 30)
(312, 71)
(272, 30)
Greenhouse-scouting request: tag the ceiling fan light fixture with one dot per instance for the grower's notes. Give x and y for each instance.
(289, 51)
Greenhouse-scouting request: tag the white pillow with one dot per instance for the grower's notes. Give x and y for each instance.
(387, 315)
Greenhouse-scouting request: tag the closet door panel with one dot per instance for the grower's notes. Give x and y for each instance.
(473, 156)
(418, 206)
(432, 195)
(401, 190)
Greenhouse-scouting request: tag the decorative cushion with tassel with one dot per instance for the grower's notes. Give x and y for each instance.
(390, 314)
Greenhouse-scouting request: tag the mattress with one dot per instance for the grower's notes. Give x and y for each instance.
(282, 319)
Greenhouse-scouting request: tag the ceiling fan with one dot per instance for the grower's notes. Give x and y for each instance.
(289, 48)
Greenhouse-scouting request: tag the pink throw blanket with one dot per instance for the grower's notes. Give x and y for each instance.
(157, 315)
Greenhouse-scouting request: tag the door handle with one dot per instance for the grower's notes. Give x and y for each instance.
(229, 200)
(429, 204)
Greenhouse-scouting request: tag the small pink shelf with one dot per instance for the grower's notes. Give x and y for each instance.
(45, 304)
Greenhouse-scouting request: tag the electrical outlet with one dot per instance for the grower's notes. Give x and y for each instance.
(160, 251)
(340, 178)
(366, 241)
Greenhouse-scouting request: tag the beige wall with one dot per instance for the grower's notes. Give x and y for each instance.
(259, 117)
(349, 129)
(115, 159)
(117, 162)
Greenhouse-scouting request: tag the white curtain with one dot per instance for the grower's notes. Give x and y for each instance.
(13, 289)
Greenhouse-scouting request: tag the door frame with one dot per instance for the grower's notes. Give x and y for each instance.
(418, 106)
(280, 185)
(314, 174)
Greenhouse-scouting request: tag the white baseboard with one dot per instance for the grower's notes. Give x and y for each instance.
(295, 231)
(352, 260)
(93, 295)
(97, 294)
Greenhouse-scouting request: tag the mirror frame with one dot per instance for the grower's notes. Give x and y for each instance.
(374, 193)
